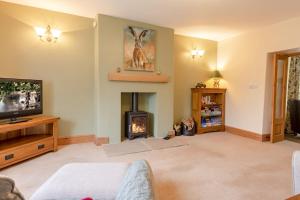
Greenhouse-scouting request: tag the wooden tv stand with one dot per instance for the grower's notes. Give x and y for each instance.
(25, 140)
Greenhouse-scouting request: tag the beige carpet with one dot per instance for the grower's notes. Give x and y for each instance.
(123, 148)
(212, 166)
(157, 143)
(140, 145)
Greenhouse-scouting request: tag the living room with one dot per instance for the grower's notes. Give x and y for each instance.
(80, 56)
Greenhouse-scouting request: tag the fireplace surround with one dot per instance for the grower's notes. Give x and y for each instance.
(113, 98)
(136, 122)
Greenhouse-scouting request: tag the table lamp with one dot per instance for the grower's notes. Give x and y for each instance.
(217, 76)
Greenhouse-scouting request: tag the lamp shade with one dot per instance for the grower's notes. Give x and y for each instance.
(40, 31)
(216, 74)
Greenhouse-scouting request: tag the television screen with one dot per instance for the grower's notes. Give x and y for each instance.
(20, 97)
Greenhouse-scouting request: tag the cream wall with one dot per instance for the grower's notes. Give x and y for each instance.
(66, 67)
(109, 56)
(190, 71)
(248, 73)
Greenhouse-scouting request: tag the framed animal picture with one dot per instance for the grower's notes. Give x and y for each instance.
(139, 49)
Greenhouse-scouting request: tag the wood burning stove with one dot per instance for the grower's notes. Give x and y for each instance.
(136, 122)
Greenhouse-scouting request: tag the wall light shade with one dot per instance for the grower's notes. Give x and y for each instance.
(40, 31)
(201, 52)
(47, 34)
(194, 52)
(56, 33)
(197, 52)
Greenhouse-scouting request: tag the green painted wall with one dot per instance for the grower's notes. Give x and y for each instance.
(65, 67)
(188, 71)
(109, 56)
(75, 69)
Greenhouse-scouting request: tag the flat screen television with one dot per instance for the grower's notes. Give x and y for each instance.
(20, 97)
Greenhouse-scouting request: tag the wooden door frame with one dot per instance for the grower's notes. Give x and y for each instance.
(276, 56)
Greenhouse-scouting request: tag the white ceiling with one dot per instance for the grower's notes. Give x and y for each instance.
(210, 19)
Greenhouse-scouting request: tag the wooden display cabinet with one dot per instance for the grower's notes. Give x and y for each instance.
(25, 140)
(208, 109)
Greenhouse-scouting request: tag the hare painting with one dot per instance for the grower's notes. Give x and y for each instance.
(139, 49)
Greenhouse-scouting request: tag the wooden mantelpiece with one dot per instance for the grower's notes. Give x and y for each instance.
(138, 77)
(25, 140)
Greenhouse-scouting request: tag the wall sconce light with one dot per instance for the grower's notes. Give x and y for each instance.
(197, 52)
(47, 34)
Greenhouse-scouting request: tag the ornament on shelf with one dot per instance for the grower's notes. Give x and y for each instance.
(200, 85)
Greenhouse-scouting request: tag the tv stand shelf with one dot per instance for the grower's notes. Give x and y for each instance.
(25, 140)
(15, 142)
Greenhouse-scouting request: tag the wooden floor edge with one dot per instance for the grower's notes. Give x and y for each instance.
(248, 134)
(82, 139)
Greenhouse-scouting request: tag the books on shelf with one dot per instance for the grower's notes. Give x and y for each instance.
(211, 111)
(208, 122)
(211, 116)
(206, 100)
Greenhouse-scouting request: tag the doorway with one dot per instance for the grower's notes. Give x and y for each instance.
(286, 97)
(292, 121)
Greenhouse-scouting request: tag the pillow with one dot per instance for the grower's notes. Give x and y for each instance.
(137, 183)
(8, 191)
(75, 181)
